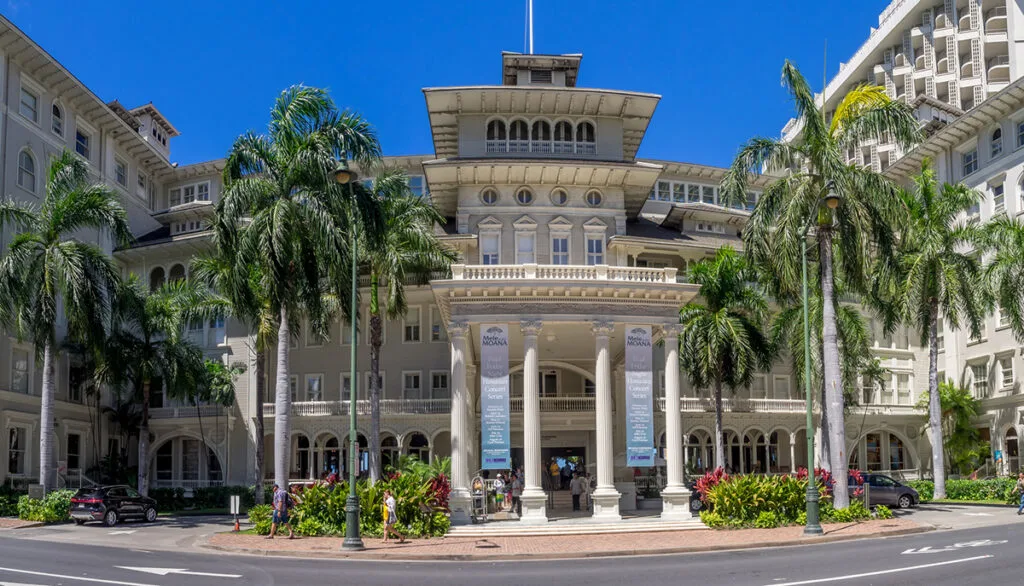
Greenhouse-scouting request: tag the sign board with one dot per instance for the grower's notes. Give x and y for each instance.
(36, 491)
(495, 432)
(639, 397)
(236, 501)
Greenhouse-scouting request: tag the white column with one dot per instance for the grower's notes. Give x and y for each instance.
(675, 497)
(792, 452)
(606, 497)
(534, 500)
(460, 499)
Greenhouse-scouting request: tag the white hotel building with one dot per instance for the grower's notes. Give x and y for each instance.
(563, 235)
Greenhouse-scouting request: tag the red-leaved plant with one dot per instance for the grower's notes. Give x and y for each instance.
(710, 480)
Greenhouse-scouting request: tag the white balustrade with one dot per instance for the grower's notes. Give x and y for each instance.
(557, 404)
(387, 407)
(563, 273)
(185, 411)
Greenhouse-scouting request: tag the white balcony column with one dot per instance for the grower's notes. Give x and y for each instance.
(675, 497)
(534, 500)
(792, 452)
(460, 500)
(605, 497)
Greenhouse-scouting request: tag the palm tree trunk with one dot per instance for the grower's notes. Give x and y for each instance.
(934, 403)
(831, 375)
(719, 439)
(46, 472)
(143, 474)
(282, 405)
(261, 383)
(824, 447)
(375, 344)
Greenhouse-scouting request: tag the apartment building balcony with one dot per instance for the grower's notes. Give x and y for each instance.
(900, 60)
(942, 20)
(387, 407)
(999, 69)
(919, 63)
(942, 64)
(995, 20)
(965, 21)
(967, 68)
(582, 404)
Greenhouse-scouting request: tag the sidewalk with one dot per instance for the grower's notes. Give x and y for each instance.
(16, 523)
(558, 547)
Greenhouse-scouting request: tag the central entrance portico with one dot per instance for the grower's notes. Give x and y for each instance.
(580, 323)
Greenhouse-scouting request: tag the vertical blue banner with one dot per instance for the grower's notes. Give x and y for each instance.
(496, 452)
(639, 397)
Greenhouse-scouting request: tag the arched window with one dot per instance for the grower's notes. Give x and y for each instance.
(489, 196)
(1012, 451)
(156, 278)
(389, 452)
(594, 198)
(524, 196)
(497, 137)
(57, 120)
(419, 447)
(997, 142)
(177, 273)
(585, 141)
(559, 196)
(27, 171)
(518, 137)
(898, 455)
(563, 137)
(302, 457)
(541, 137)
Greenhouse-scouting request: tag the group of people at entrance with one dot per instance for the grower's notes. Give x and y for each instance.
(573, 478)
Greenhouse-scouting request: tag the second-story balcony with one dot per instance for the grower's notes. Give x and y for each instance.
(562, 273)
(387, 407)
(995, 20)
(738, 405)
(558, 404)
(999, 69)
(539, 147)
(182, 411)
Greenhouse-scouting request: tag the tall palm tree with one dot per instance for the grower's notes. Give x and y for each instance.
(937, 277)
(47, 265)
(408, 249)
(147, 344)
(1004, 273)
(723, 342)
(283, 213)
(859, 230)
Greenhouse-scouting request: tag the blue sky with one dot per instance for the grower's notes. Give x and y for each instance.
(214, 67)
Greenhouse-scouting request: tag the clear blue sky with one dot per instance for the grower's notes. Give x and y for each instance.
(214, 67)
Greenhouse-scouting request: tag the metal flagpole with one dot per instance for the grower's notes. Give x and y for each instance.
(531, 26)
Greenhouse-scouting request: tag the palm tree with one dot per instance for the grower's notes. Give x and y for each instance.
(147, 343)
(47, 264)
(856, 232)
(962, 444)
(1004, 273)
(283, 214)
(408, 249)
(722, 342)
(935, 276)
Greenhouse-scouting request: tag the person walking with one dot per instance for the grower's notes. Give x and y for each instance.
(499, 493)
(1020, 491)
(391, 518)
(555, 478)
(282, 502)
(576, 488)
(517, 494)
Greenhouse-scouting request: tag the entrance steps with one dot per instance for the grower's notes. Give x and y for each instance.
(574, 526)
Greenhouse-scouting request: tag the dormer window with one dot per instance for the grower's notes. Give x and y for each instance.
(540, 76)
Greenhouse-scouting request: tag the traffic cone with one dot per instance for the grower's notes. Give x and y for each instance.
(237, 528)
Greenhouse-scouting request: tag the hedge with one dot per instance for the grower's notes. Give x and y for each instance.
(9, 501)
(962, 489)
(53, 508)
(214, 497)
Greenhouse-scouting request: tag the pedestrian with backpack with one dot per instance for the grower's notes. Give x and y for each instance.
(282, 503)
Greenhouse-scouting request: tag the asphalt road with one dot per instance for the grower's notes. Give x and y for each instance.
(985, 555)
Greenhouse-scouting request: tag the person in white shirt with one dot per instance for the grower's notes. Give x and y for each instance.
(576, 488)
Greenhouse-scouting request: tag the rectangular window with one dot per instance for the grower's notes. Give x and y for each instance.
(595, 250)
(203, 192)
(437, 331)
(758, 387)
(969, 161)
(1020, 134)
(873, 447)
(678, 192)
(559, 250)
(346, 333)
(121, 173)
(361, 393)
(165, 462)
(189, 192)
(19, 371)
(439, 385)
(217, 332)
(142, 181)
(693, 193)
(314, 387)
(489, 249)
(346, 386)
(903, 389)
(29, 106)
(156, 393)
(82, 143)
(1002, 317)
(174, 197)
(940, 334)
(525, 245)
(979, 376)
(1006, 370)
(903, 339)
(708, 194)
(293, 387)
(411, 388)
(998, 200)
(589, 389)
(74, 452)
(17, 443)
(417, 185)
(781, 387)
(411, 325)
(664, 191)
(751, 201)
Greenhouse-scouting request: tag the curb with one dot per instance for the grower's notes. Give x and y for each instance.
(27, 526)
(552, 556)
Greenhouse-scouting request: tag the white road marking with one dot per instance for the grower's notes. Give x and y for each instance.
(978, 514)
(129, 532)
(182, 571)
(17, 584)
(81, 578)
(955, 546)
(880, 572)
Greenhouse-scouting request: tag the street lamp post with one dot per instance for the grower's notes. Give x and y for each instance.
(345, 176)
(813, 526)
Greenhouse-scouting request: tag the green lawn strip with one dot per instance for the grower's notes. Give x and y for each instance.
(965, 502)
(197, 512)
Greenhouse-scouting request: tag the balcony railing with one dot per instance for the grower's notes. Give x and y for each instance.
(999, 68)
(558, 404)
(995, 20)
(737, 405)
(186, 411)
(562, 273)
(557, 147)
(387, 407)
(187, 484)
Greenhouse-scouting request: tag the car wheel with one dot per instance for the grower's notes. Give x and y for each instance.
(696, 505)
(79, 521)
(110, 519)
(905, 501)
(150, 514)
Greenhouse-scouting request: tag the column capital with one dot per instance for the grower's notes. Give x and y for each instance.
(672, 330)
(458, 329)
(531, 327)
(602, 328)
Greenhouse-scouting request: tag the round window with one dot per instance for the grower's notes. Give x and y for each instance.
(559, 197)
(524, 196)
(489, 196)
(594, 198)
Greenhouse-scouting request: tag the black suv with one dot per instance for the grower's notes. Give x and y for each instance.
(110, 504)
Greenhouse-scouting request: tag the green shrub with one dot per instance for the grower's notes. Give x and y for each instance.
(168, 499)
(965, 489)
(801, 519)
(53, 508)
(219, 497)
(767, 520)
(259, 517)
(883, 512)
(9, 501)
(712, 519)
(855, 512)
(925, 489)
(740, 500)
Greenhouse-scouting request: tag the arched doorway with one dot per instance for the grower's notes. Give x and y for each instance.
(755, 453)
(362, 454)
(185, 462)
(1012, 451)
(700, 452)
(419, 447)
(326, 457)
(301, 457)
(389, 452)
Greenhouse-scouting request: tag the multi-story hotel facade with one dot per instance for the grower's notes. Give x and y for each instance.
(564, 237)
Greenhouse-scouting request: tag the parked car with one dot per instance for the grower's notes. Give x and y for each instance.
(111, 504)
(887, 491)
